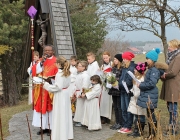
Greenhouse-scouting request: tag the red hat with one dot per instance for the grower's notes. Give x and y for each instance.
(128, 55)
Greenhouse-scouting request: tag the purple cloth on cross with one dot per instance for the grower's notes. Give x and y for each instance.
(32, 11)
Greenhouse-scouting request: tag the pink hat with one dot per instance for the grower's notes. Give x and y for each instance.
(128, 56)
(141, 67)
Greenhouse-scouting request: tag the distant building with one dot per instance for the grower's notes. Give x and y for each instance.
(133, 50)
(151, 46)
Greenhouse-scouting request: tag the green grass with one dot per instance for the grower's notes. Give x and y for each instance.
(142, 58)
(7, 113)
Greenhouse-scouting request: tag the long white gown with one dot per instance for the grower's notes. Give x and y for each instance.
(73, 71)
(91, 115)
(93, 68)
(82, 81)
(62, 127)
(105, 99)
(47, 117)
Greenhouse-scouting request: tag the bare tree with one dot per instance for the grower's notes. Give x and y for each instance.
(149, 15)
(118, 45)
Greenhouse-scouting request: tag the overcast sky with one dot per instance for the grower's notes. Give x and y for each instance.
(172, 33)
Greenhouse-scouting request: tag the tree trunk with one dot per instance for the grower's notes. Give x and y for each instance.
(163, 28)
(11, 77)
(163, 33)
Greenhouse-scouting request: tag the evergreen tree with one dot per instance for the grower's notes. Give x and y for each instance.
(88, 27)
(13, 30)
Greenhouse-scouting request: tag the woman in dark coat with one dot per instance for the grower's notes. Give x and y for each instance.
(170, 91)
(148, 90)
(116, 69)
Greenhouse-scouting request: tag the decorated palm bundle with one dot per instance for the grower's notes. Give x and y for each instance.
(85, 90)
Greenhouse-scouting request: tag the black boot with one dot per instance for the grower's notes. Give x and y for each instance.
(113, 126)
(141, 130)
(107, 120)
(152, 132)
(135, 133)
(118, 126)
(49, 132)
(43, 131)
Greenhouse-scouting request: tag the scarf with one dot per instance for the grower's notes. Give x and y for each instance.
(172, 55)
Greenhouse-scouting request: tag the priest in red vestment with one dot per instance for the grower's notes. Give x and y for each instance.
(42, 98)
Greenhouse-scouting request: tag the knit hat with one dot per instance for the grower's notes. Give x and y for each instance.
(119, 57)
(128, 56)
(141, 67)
(153, 55)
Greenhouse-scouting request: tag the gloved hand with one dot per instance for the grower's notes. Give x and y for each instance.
(131, 94)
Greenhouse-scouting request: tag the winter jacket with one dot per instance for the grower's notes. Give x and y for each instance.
(170, 90)
(162, 67)
(126, 77)
(148, 89)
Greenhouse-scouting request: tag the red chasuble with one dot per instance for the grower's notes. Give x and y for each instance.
(49, 70)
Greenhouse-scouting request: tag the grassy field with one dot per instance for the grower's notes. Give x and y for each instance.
(8, 112)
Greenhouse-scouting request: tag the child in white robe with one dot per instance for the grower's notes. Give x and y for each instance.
(82, 82)
(62, 127)
(91, 115)
(29, 70)
(73, 70)
(105, 99)
(93, 66)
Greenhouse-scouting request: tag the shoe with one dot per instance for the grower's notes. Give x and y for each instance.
(49, 133)
(78, 124)
(107, 120)
(126, 130)
(43, 131)
(122, 129)
(168, 133)
(118, 126)
(103, 121)
(113, 126)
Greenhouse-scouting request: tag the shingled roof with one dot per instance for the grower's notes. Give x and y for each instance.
(61, 28)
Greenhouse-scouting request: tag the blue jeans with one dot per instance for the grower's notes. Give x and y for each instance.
(127, 116)
(172, 108)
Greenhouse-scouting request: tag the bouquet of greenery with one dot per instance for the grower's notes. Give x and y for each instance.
(111, 79)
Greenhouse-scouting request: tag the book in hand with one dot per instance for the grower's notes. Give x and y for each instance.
(46, 77)
(133, 76)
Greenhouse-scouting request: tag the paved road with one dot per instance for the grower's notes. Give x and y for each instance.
(18, 128)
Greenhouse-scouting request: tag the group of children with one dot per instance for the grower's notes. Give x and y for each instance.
(131, 101)
(87, 84)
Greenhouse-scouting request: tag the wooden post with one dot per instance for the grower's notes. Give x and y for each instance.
(1, 128)
(28, 127)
